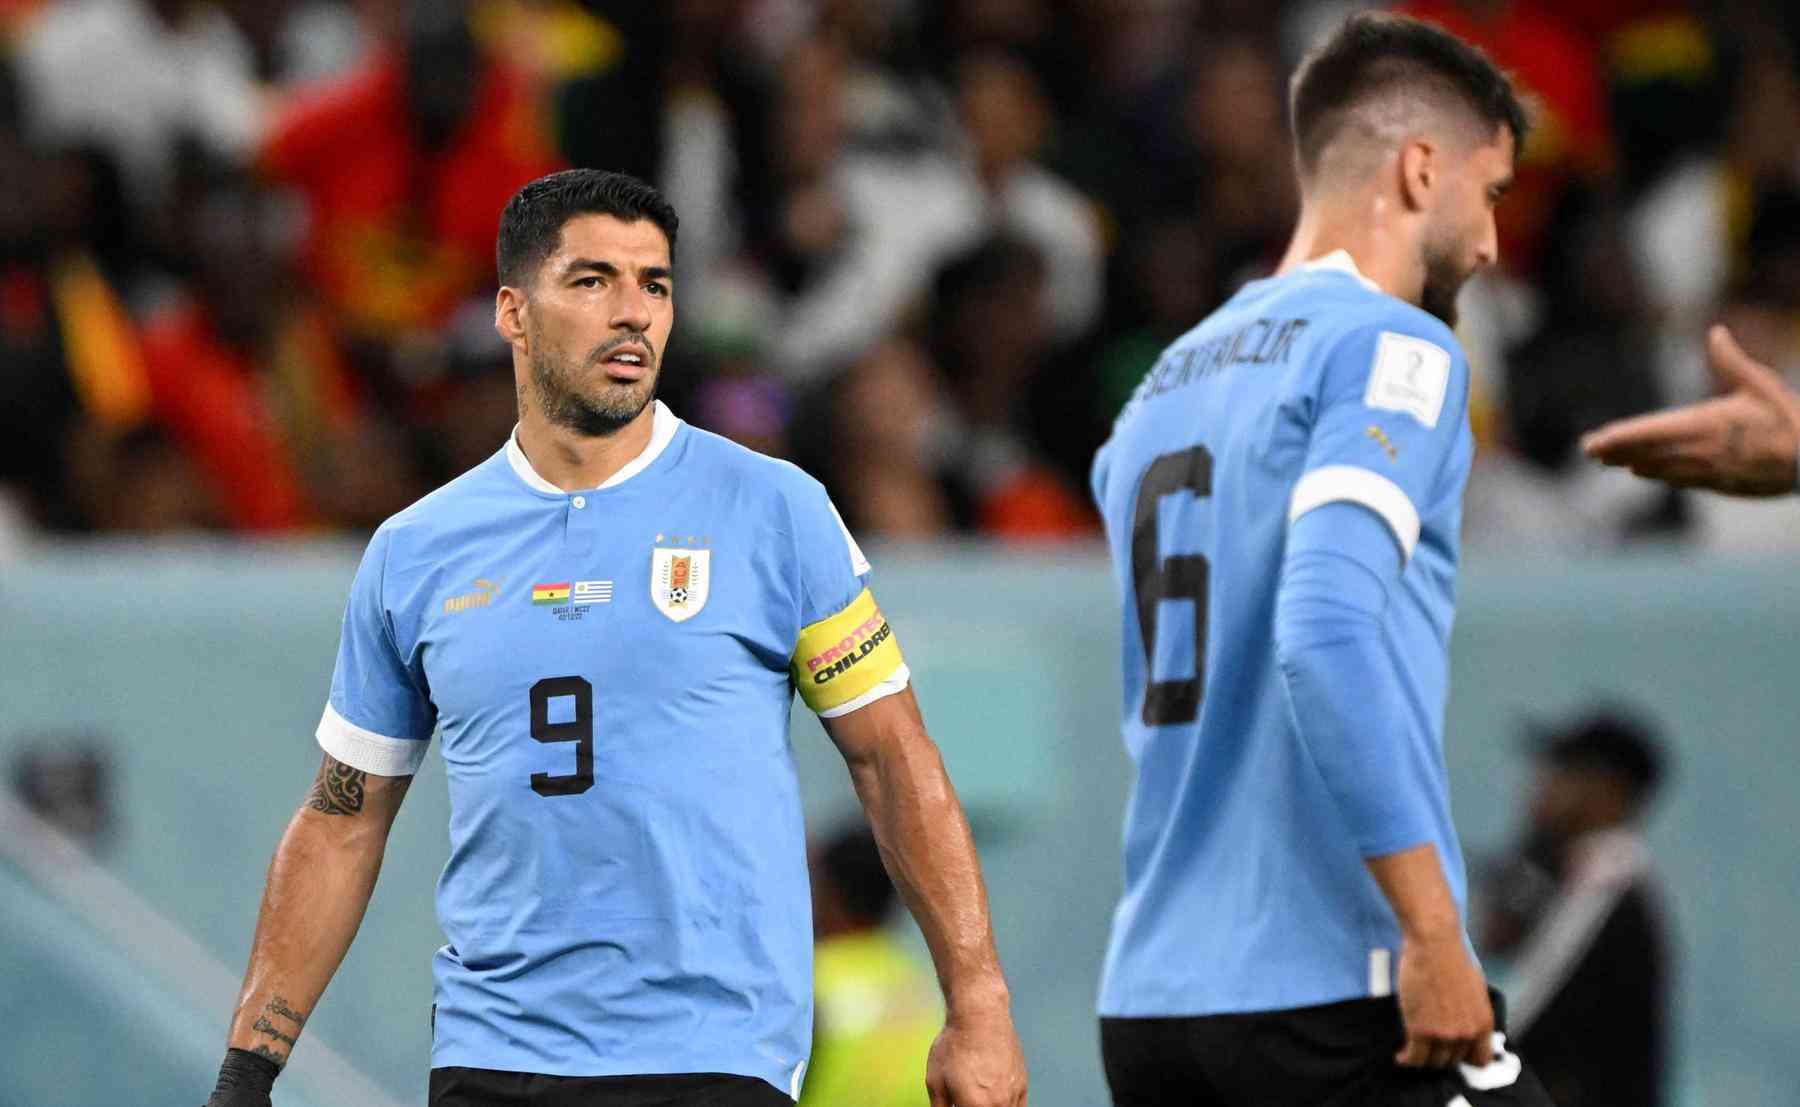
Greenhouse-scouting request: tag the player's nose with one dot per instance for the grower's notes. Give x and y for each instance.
(631, 310)
(1487, 249)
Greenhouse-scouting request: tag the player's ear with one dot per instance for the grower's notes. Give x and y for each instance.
(1419, 173)
(509, 316)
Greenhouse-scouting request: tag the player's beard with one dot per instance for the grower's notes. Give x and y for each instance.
(1444, 278)
(600, 411)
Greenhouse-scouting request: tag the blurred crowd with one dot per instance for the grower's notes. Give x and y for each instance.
(927, 247)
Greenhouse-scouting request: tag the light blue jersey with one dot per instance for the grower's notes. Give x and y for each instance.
(1250, 816)
(611, 673)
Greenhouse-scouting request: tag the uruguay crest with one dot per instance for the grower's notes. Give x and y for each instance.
(680, 581)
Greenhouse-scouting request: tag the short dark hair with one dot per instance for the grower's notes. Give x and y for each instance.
(1375, 53)
(1610, 740)
(531, 226)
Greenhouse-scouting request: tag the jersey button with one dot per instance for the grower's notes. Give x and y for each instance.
(580, 502)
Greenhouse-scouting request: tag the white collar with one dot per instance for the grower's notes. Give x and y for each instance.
(663, 425)
(1341, 261)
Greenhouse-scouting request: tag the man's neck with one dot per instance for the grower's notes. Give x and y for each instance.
(571, 460)
(1363, 229)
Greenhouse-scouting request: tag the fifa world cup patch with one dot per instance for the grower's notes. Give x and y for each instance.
(846, 655)
(1410, 375)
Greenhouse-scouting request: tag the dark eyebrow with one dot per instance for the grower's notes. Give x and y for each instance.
(608, 269)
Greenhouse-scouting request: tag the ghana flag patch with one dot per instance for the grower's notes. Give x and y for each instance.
(550, 593)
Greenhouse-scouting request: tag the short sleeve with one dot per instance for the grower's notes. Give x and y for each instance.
(1390, 426)
(845, 656)
(380, 717)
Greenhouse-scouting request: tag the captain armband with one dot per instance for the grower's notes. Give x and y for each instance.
(846, 656)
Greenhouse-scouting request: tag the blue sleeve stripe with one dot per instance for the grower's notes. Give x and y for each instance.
(1354, 484)
(367, 750)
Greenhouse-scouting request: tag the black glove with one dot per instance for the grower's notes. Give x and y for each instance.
(244, 1080)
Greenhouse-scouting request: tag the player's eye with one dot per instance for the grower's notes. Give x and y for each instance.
(588, 282)
(657, 288)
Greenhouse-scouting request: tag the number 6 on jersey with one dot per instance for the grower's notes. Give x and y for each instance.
(1177, 577)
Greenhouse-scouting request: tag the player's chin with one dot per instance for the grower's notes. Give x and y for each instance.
(625, 396)
(1440, 300)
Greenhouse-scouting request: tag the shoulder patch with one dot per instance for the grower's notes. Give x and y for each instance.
(1410, 375)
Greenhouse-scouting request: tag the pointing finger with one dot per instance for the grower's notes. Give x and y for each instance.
(1619, 442)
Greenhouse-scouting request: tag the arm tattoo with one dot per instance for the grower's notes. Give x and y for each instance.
(338, 790)
(263, 1026)
(279, 1006)
(270, 1055)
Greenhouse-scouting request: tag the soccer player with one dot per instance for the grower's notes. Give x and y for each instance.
(1745, 442)
(1282, 497)
(606, 622)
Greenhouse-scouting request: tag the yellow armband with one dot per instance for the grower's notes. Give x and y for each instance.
(841, 658)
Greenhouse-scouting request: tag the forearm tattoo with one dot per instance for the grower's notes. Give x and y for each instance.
(279, 1006)
(264, 1025)
(267, 1054)
(338, 790)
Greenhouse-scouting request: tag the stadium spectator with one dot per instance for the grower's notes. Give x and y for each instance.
(298, 41)
(1578, 910)
(247, 375)
(1234, 128)
(1006, 121)
(938, 428)
(891, 431)
(137, 481)
(1171, 280)
(1591, 358)
(404, 165)
(70, 355)
(172, 68)
(992, 339)
(848, 238)
(833, 157)
(875, 1009)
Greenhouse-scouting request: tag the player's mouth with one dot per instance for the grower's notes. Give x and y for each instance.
(628, 362)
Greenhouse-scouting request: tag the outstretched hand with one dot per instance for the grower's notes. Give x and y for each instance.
(1745, 442)
(977, 1062)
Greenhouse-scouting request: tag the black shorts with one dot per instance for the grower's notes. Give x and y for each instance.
(1338, 1055)
(460, 1087)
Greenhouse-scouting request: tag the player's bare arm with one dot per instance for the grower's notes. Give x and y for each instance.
(319, 885)
(1443, 997)
(1745, 442)
(925, 843)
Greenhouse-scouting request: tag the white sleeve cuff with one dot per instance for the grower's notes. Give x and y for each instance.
(1353, 484)
(859, 565)
(367, 750)
(896, 682)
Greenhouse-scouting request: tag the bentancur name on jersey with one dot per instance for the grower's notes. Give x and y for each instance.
(1260, 343)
